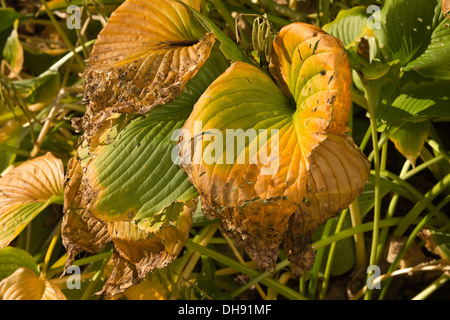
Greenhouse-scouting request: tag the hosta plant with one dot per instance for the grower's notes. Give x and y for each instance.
(182, 124)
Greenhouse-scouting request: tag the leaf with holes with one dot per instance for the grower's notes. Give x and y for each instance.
(255, 149)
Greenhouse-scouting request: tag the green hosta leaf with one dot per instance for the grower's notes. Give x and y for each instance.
(27, 190)
(406, 28)
(427, 100)
(348, 25)
(433, 62)
(135, 175)
(41, 89)
(409, 138)
(12, 259)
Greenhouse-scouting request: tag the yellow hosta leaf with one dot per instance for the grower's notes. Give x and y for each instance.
(24, 284)
(149, 289)
(145, 55)
(312, 66)
(25, 191)
(255, 155)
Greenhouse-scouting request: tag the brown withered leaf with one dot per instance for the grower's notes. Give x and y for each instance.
(144, 56)
(141, 247)
(80, 230)
(446, 8)
(337, 175)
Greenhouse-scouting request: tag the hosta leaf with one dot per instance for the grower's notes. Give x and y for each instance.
(145, 55)
(136, 176)
(406, 27)
(256, 183)
(25, 191)
(348, 24)
(418, 102)
(150, 244)
(24, 284)
(126, 187)
(312, 66)
(433, 63)
(339, 171)
(12, 258)
(409, 138)
(80, 230)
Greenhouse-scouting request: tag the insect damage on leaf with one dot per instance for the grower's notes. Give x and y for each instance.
(310, 156)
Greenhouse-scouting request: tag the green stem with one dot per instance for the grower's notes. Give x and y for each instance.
(354, 230)
(48, 255)
(63, 34)
(421, 205)
(270, 283)
(327, 273)
(81, 262)
(195, 256)
(70, 55)
(402, 252)
(421, 167)
(258, 279)
(436, 284)
(94, 281)
(390, 213)
(360, 247)
(318, 261)
(377, 201)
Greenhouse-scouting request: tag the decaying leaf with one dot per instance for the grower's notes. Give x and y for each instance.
(80, 230)
(256, 187)
(127, 189)
(141, 247)
(437, 242)
(446, 8)
(27, 190)
(144, 56)
(337, 175)
(24, 284)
